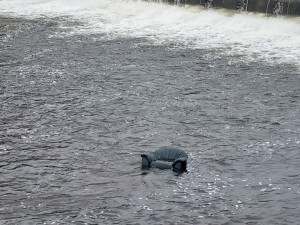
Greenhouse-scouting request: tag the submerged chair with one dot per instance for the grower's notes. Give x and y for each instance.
(166, 158)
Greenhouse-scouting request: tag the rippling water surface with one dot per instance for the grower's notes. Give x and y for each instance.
(82, 96)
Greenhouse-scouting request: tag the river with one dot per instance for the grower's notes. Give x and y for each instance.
(87, 87)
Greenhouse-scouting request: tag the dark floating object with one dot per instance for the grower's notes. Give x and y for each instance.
(166, 158)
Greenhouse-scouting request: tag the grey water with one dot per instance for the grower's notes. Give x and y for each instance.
(78, 110)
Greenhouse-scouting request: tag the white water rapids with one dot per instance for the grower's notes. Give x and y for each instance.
(250, 37)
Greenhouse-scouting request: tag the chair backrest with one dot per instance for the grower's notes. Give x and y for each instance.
(169, 154)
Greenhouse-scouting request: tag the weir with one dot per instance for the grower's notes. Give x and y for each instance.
(269, 7)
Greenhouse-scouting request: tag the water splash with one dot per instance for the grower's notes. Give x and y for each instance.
(244, 36)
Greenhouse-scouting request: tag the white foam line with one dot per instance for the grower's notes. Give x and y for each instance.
(274, 39)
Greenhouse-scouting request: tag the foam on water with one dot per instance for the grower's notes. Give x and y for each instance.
(245, 36)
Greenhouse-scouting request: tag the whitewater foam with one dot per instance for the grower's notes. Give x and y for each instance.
(252, 36)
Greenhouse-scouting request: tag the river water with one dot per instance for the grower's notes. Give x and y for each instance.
(88, 87)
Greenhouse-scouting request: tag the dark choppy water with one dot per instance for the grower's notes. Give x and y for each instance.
(77, 110)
